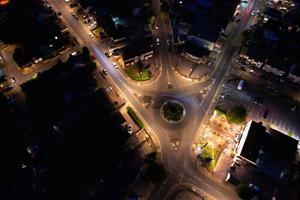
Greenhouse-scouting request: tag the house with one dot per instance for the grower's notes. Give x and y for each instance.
(139, 50)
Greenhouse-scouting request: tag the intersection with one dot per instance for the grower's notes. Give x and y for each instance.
(170, 86)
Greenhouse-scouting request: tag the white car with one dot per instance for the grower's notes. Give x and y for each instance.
(255, 12)
(129, 128)
(91, 34)
(116, 65)
(12, 79)
(157, 42)
(251, 71)
(108, 89)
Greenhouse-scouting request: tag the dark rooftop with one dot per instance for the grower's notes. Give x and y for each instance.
(205, 29)
(137, 48)
(268, 148)
(195, 50)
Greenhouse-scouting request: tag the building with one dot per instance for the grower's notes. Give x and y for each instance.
(201, 22)
(264, 159)
(136, 51)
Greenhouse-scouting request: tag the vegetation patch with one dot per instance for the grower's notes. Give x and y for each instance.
(138, 72)
(135, 117)
(172, 111)
(209, 157)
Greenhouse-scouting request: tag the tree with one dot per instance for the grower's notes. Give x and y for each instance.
(85, 53)
(237, 115)
(244, 192)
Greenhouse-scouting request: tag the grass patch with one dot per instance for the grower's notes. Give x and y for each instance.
(209, 157)
(135, 117)
(137, 73)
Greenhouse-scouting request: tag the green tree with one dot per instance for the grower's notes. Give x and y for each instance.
(237, 115)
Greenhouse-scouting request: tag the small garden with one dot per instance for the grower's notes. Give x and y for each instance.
(172, 111)
(138, 72)
(209, 157)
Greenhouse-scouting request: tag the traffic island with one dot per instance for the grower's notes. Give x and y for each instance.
(172, 111)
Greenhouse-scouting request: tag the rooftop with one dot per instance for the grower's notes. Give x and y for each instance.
(196, 50)
(269, 149)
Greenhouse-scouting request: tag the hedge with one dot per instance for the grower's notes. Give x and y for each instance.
(135, 118)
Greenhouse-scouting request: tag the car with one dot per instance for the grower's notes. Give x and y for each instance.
(294, 108)
(116, 65)
(74, 15)
(255, 12)
(251, 71)
(258, 100)
(105, 72)
(254, 187)
(168, 42)
(129, 128)
(12, 79)
(91, 34)
(155, 27)
(108, 89)
(107, 55)
(157, 42)
(74, 53)
(73, 5)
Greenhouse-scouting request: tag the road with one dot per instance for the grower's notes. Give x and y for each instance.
(180, 164)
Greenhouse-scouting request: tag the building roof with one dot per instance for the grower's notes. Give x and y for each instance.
(137, 49)
(267, 148)
(196, 50)
(205, 29)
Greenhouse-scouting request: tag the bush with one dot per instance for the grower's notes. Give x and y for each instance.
(135, 118)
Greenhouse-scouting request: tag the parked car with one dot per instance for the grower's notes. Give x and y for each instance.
(108, 89)
(129, 128)
(12, 79)
(251, 71)
(115, 65)
(105, 72)
(91, 34)
(157, 42)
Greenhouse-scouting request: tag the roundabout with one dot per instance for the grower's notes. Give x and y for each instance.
(172, 111)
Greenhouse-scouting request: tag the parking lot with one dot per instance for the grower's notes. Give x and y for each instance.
(277, 113)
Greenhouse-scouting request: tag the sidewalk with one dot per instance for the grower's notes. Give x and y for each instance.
(223, 166)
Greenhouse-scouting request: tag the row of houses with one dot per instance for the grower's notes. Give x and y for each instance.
(199, 25)
(274, 44)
